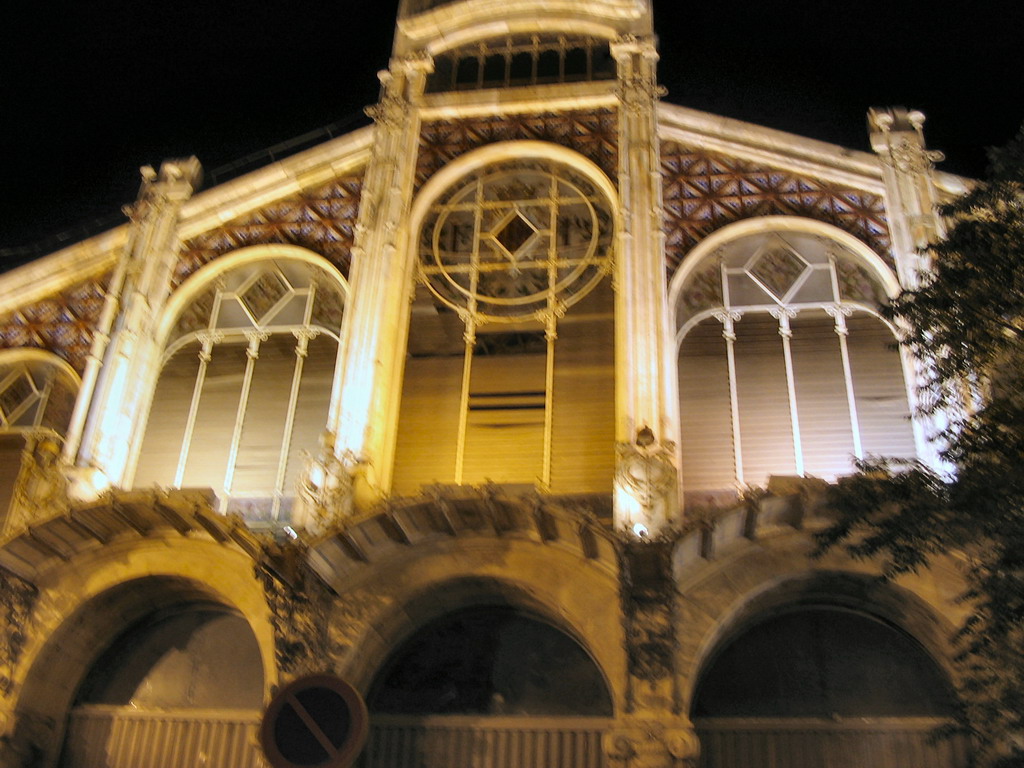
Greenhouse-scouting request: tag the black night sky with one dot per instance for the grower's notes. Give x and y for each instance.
(91, 91)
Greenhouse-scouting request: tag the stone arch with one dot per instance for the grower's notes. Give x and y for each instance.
(86, 604)
(388, 599)
(852, 669)
(751, 580)
(466, 593)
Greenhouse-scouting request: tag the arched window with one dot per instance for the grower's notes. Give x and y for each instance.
(245, 387)
(509, 375)
(785, 367)
(37, 390)
(521, 60)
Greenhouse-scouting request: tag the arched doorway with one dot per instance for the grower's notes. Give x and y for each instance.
(182, 686)
(824, 685)
(489, 684)
(156, 671)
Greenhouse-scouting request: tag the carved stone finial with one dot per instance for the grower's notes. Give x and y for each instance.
(326, 487)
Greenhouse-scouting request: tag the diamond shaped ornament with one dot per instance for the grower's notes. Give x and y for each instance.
(516, 232)
(16, 394)
(263, 294)
(777, 267)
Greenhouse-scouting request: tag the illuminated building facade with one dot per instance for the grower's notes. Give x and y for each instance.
(515, 409)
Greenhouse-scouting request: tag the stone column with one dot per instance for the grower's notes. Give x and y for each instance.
(647, 422)
(897, 137)
(129, 365)
(653, 731)
(375, 321)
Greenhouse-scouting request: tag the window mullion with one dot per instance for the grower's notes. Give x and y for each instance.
(205, 354)
(786, 332)
(839, 313)
(469, 336)
(302, 336)
(252, 354)
(728, 320)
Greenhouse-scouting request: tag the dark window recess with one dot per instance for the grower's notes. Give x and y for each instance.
(494, 71)
(511, 343)
(506, 401)
(549, 67)
(519, 61)
(467, 73)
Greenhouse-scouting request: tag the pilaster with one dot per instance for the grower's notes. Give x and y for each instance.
(897, 136)
(647, 485)
(130, 357)
(376, 319)
(653, 731)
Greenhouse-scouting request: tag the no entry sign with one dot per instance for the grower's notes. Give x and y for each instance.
(318, 721)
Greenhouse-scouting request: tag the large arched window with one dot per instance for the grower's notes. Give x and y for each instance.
(246, 385)
(37, 390)
(785, 367)
(509, 374)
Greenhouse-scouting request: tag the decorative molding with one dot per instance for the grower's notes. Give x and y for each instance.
(594, 134)
(299, 607)
(703, 192)
(17, 599)
(41, 489)
(653, 743)
(322, 220)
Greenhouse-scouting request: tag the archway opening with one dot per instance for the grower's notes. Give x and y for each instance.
(824, 685)
(492, 660)
(180, 686)
(493, 682)
(155, 671)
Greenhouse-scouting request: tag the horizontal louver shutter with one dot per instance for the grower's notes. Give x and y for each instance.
(428, 423)
(505, 424)
(826, 437)
(705, 411)
(583, 439)
(766, 432)
(879, 387)
(168, 414)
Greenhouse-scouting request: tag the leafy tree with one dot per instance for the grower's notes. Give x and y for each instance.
(966, 319)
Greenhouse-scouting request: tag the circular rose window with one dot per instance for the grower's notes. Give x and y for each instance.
(515, 241)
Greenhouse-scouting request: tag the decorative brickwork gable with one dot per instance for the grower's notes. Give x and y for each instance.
(63, 324)
(322, 220)
(594, 134)
(704, 192)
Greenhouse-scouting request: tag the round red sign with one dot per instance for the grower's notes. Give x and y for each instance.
(318, 721)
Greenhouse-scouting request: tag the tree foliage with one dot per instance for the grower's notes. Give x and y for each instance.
(965, 322)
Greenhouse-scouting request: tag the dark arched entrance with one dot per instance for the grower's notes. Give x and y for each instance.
(491, 684)
(821, 685)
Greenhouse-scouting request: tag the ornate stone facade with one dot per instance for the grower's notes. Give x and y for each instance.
(703, 281)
